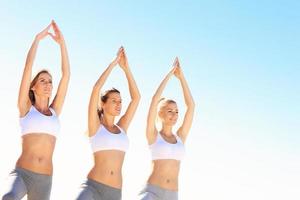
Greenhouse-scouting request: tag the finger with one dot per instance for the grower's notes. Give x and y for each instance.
(53, 37)
(173, 69)
(55, 27)
(48, 27)
(174, 63)
(119, 51)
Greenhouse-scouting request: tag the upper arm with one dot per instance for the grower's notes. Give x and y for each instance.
(151, 131)
(24, 102)
(187, 123)
(93, 118)
(59, 98)
(127, 117)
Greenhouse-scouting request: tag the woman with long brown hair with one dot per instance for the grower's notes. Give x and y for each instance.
(39, 122)
(108, 139)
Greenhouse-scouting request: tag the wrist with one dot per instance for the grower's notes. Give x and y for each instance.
(37, 38)
(62, 44)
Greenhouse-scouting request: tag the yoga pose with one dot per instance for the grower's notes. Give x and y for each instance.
(167, 148)
(39, 124)
(108, 139)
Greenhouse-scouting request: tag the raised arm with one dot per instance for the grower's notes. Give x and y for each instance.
(93, 119)
(23, 99)
(59, 98)
(151, 131)
(189, 102)
(133, 90)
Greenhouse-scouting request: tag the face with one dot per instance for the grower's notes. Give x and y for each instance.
(169, 114)
(113, 105)
(43, 86)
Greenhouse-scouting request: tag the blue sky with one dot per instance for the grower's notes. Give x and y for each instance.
(240, 59)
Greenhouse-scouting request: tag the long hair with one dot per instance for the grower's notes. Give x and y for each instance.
(104, 98)
(33, 82)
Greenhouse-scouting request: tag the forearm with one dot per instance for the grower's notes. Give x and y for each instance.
(161, 87)
(65, 60)
(31, 54)
(100, 82)
(186, 92)
(133, 89)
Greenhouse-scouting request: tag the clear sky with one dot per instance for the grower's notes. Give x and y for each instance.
(242, 63)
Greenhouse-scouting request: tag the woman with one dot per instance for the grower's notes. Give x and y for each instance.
(108, 139)
(167, 148)
(39, 124)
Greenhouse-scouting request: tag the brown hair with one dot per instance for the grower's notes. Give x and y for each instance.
(33, 82)
(104, 98)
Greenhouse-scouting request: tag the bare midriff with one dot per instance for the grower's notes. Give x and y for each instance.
(37, 152)
(108, 168)
(165, 174)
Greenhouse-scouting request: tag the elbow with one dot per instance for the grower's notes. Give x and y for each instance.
(191, 104)
(137, 97)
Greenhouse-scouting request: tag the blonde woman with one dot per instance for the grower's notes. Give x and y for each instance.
(167, 146)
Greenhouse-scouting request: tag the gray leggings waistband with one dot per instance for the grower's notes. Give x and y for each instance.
(102, 188)
(153, 192)
(95, 190)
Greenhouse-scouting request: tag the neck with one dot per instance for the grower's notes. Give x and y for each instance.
(166, 130)
(42, 104)
(108, 121)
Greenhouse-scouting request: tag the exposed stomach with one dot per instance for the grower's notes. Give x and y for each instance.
(108, 168)
(37, 152)
(165, 174)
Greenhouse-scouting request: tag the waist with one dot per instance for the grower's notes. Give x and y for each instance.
(41, 165)
(165, 174)
(108, 176)
(108, 168)
(39, 137)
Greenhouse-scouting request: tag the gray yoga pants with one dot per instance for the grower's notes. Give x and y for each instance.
(92, 190)
(21, 182)
(153, 192)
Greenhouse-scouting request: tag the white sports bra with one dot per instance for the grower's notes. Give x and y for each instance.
(36, 122)
(105, 140)
(161, 149)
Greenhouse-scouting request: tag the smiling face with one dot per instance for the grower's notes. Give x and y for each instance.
(43, 85)
(168, 113)
(112, 104)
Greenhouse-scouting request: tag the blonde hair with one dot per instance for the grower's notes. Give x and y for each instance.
(162, 104)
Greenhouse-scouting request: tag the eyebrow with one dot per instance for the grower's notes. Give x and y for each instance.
(45, 78)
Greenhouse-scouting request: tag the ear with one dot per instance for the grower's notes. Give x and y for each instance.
(33, 88)
(160, 113)
(101, 104)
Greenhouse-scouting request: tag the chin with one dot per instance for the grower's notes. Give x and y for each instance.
(117, 114)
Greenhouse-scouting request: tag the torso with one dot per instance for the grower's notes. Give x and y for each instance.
(38, 140)
(37, 151)
(108, 167)
(167, 153)
(108, 158)
(165, 174)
